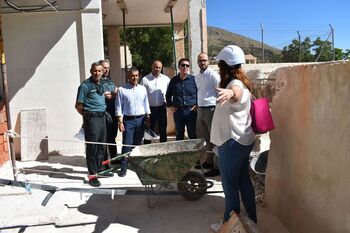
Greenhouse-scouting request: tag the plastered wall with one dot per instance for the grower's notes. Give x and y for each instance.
(48, 55)
(307, 183)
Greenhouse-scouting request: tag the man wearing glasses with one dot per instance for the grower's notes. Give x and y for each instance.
(181, 98)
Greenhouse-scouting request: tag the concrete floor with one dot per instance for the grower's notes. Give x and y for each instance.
(83, 212)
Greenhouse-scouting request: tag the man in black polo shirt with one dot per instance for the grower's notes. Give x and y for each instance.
(181, 97)
(90, 103)
(111, 121)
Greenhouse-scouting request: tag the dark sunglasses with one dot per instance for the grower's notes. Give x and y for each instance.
(185, 65)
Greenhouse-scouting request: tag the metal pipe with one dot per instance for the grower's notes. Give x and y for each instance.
(299, 46)
(262, 43)
(173, 31)
(125, 58)
(7, 106)
(333, 50)
(30, 8)
(52, 6)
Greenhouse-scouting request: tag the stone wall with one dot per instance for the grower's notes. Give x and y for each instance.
(308, 169)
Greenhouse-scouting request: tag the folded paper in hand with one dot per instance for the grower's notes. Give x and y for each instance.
(80, 135)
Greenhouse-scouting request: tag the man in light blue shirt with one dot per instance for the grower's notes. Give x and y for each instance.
(132, 110)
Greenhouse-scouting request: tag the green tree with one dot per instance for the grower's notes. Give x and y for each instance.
(346, 55)
(318, 50)
(322, 50)
(148, 44)
(290, 53)
(339, 55)
(306, 55)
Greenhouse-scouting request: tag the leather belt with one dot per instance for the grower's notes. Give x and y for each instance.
(94, 114)
(211, 106)
(125, 117)
(183, 107)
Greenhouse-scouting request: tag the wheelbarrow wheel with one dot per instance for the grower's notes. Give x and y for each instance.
(192, 186)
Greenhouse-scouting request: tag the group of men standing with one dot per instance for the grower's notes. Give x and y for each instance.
(138, 105)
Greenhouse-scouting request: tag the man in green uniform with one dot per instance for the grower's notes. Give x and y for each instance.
(90, 103)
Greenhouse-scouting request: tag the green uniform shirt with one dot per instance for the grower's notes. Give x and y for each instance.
(91, 96)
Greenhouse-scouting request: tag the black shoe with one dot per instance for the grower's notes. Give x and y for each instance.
(205, 165)
(94, 183)
(116, 162)
(213, 172)
(122, 172)
(123, 168)
(107, 174)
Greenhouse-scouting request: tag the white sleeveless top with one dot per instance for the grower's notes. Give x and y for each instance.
(233, 120)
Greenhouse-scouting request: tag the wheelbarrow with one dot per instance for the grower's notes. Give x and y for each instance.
(158, 164)
(167, 163)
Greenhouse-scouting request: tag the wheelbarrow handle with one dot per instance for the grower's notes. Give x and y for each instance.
(106, 162)
(125, 155)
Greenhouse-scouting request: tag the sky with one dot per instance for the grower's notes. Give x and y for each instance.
(282, 19)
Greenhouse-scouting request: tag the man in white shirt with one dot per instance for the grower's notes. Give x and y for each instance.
(206, 80)
(156, 85)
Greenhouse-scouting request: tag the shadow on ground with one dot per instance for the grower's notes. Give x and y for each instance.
(63, 173)
(171, 213)
(71, 160)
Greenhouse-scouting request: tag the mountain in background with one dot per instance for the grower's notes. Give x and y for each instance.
(219, 38)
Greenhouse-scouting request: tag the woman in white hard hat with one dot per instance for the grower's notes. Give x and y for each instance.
(232, 133)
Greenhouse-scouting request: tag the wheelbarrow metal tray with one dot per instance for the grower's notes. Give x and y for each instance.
(165, 162)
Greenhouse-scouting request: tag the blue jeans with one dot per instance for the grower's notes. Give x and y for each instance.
(133, 134)
(234, 170)
(185, 117)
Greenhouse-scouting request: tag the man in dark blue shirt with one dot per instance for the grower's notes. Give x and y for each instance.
(181, 97)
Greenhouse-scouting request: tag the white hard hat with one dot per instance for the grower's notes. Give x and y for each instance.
(150, 135)
(232, 55)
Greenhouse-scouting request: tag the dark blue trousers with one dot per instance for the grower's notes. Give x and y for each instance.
(234, 170)
(133, 134)
(185, 117)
